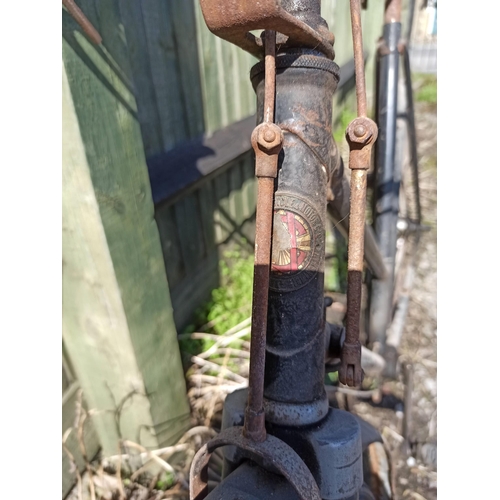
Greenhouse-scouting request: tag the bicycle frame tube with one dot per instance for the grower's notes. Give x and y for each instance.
(305, 83)
(385, 212)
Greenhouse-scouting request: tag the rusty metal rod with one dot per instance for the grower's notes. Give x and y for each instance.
(360, 134)
(254, 425)
(359, 65)
(270, 75)
(77, 14)
(355, 253)
(254, 416)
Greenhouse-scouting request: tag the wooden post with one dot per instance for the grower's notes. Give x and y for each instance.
(118, 325)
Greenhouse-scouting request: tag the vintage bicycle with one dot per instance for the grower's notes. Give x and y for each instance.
(280, 438)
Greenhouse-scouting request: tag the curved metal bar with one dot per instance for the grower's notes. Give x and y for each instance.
(272, 454)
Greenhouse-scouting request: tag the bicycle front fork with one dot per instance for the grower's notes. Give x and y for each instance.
(283, 421)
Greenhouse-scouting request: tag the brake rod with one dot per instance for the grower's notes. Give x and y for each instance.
(267, 141)
(361, 134)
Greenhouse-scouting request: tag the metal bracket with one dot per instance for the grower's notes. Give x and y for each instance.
(232, 20)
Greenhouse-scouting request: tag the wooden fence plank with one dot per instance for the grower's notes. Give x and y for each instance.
(95, 329)
(184, 31)
(164, 71)
(191, 293)
(208, 71)
(222, 211)
(188, 218)
(175, 172)
(207, 207)
(235, 196)
(225, 74)
(148, 115)
(107, 118)
(171, 247)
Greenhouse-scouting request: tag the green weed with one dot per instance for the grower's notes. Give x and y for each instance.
(166, 481)
(425, 88)
(346, 116)
(231, 303)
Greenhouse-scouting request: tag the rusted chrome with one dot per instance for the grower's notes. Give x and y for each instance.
(273, 454)
(361, 134)
(233, 20)
(267, 141)
(77, 14)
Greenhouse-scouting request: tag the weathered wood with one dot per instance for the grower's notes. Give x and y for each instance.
(222, 212)
(249, 185)
(188, 217)
(235, 195)
(173, 172)
(185, 38)
(95, 329)
(225, 70)
(119, 325)
(148, 115)
(207, 208)
(164, 71)
(169, 236)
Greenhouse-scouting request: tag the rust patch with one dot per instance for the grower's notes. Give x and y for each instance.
(272, 453)
(233, 20)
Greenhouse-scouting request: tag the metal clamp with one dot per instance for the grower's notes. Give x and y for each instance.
(233, 20)
(272, 454)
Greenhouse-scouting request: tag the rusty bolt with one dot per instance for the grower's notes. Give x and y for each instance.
(269, 137)
(361, 130)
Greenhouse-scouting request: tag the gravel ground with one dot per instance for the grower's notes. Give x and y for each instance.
(415, 474)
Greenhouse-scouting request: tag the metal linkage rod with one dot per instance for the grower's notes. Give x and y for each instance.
(361, 134)
(77, 14)
(267, 140)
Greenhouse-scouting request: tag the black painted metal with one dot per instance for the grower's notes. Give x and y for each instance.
(387, 181)
(332, 449)
(305, 83)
